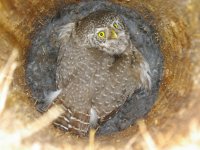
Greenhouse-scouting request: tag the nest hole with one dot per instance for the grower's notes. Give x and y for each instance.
(161, 38)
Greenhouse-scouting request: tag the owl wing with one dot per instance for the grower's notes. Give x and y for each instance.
(64, 36)
(113, 91)
(74, 76)
(66, 31)
(129, 73)
(140, 65)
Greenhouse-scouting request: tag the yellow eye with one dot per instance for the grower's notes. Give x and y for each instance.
(101, 34)
(115, 25)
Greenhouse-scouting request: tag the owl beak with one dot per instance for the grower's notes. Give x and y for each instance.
(113, 34)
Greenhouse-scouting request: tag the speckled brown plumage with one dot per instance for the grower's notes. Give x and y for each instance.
(96, 80)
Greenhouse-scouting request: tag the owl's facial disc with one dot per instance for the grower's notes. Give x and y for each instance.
(104, 31)
(113, 39)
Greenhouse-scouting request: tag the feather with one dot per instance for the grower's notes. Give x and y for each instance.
(93, 118)
(50, 97)
(65, 31)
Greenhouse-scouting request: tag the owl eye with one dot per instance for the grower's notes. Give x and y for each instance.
(101, 34)
(115, 25)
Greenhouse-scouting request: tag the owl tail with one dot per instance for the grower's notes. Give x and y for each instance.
(75, 122)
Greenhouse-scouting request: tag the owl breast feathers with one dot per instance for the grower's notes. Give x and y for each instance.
(98, 68)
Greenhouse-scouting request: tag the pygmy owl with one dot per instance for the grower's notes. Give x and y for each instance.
(98, 68)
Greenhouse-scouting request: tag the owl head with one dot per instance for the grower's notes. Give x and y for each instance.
(103, 30)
